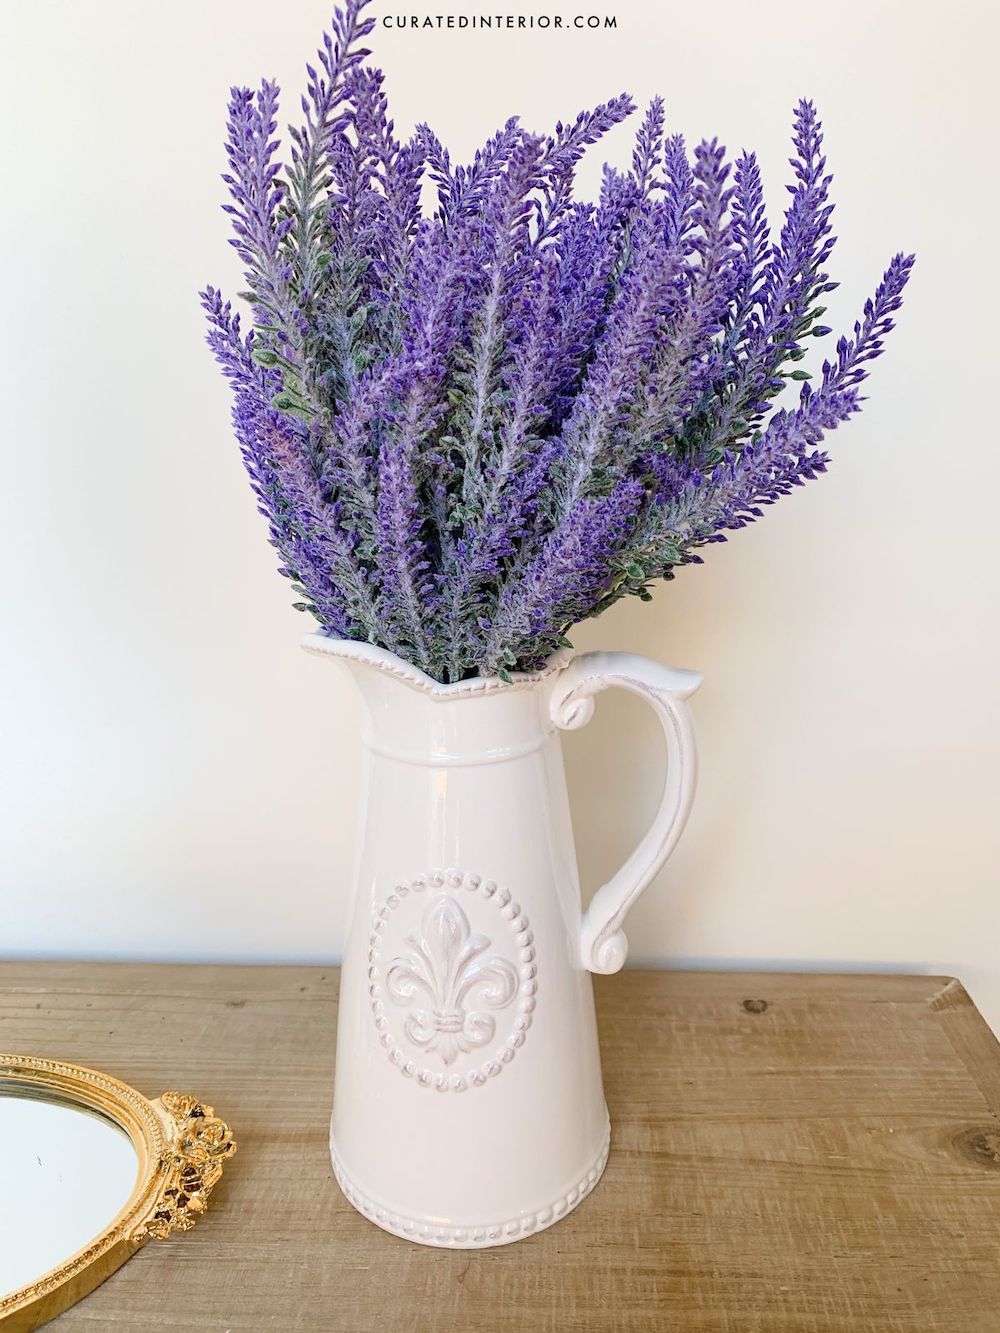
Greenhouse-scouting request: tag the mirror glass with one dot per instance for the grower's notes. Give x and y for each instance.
(67, 1171)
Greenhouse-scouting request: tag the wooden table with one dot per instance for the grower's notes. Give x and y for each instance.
(790, 1154)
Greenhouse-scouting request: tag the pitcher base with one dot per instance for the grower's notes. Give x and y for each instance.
(477, 1237)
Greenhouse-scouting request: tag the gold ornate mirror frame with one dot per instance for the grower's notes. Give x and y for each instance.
(181, 1146)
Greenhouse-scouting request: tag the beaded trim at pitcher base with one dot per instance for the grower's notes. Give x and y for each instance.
(471, 1237)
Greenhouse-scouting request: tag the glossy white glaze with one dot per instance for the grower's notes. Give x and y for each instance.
(468, 1107)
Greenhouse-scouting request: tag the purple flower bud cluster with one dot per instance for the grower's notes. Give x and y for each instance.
(471, 427)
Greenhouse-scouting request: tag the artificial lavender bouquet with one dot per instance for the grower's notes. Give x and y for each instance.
(471, 429)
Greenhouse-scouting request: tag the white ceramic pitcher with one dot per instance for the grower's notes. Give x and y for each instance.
(468, 1107)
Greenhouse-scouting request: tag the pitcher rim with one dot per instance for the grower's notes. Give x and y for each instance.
(323, 644)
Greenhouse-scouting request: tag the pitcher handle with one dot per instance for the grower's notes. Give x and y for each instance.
(603, 944)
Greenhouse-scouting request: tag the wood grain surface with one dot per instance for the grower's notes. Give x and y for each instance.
(790, 1154)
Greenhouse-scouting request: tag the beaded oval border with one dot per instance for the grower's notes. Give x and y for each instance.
(527, 972)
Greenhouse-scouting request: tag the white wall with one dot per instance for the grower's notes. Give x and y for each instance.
(179, 777)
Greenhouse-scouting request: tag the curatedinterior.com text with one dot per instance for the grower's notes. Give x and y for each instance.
(501, 22)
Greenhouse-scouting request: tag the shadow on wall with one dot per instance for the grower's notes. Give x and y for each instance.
(872, 967)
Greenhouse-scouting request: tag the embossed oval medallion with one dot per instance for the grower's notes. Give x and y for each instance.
(451, 1003)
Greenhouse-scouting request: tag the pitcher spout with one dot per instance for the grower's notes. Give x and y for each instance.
(359, 653)
(411, 717)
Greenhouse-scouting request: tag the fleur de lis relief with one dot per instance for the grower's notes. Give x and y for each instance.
(445, 982)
